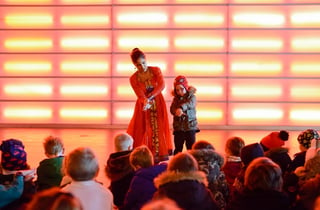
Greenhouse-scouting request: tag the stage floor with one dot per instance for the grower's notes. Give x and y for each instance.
(101, 141)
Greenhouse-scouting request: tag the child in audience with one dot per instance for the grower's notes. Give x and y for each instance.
(210, 162)
(82, 166)
(142, 187)
(54, 199)
(233, 163)
(185, 184)
(262, 188)
(183, 109)
(161, 204)
(118, 168)
(49, 170)
(11, 191)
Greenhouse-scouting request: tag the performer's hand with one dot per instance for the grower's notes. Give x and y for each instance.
(146, 104)
(179, 112)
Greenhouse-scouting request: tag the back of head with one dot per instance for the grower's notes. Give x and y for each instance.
(305, 137)
(141, 157)
(250, 152)
(123, 142)
(136, 53)
(53, 145)
(202, 145)
(274, 139)
(161, 204)
(234, 145)
(81, 164)
(54, 199)
(263, 174)
(312, 167)
(183, 162)
(13, 156)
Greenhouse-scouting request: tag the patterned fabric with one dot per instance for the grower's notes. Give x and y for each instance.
(306, 136)
(13, 157)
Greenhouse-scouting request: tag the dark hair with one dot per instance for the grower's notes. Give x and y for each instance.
(136, 53)
(202, 145)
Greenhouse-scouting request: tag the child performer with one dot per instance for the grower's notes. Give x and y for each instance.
(183, 109)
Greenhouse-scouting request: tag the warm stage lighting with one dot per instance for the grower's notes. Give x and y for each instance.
(305, 18)
(83, 113)
(28, 20)
(84, 67)
(255, 91)
(25, 113)
(305, 92)
(305, 68)
(83, 90)
(28, 89)
(198, 43)
(84, 20)
(257, 114)
(257, 44)
(28, 44)
(32, 67)
(267, 67)
(202, 68)
(260, 19)
(88, 43)
(198, 19)
(307, 44)
(143, 18)
(305, 115)
(144, 42)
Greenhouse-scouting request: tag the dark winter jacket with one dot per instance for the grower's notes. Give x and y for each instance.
(188, 190)
(120, 173)
(262, 200)
(187, 103)
(49, 173)
(142, 188)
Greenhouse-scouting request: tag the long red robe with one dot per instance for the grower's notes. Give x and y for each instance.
(151, 127)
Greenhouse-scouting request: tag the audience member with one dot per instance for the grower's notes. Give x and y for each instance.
(233, 163)
(161, 204)
(142, 187)
(82, 166)
(274, 140)
(304, 139)
(54, 199)
(49, 171)
(210, 162)
(118, 168)
(202, 144)
(262, 188)
(185, 184)
(11, 190)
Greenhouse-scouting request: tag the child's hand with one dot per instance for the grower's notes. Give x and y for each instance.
(179, 112)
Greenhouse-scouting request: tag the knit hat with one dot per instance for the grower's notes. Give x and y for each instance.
(274, 139)
(306, 136)
(181, 80)
(13, 156)
(250, 152)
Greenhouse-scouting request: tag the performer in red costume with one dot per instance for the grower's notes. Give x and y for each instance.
(149, 124)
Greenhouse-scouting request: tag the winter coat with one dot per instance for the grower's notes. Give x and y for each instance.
(188, 190)
(187, 103)
(142, 188)
(49, 173)
(210, 162)
(120, 173)
(262, 200)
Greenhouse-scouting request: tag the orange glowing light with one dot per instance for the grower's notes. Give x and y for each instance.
(80, 20)
(158, 42)
(206, 114)
(311, 43)
(83, 113)
(28, 89)
(258, 114)
(202, 68)
(31, 44)
(259, 19)
(305, 92)
(198, 19)
(305, 68)
(271, 44)
(28, 67)
(84, 43)
(28, 20)
(142, 18)
(89, 67)
(124, 113)
(209, 90)
(305, 115)
(23, 113)
(124, 90)
(256, 91)
(250, 67)
(83, 90)
(305, 18)
(199, 43)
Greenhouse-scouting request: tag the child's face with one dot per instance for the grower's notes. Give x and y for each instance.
(180, 90)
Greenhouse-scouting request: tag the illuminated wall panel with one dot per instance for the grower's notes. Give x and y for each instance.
(253, 62)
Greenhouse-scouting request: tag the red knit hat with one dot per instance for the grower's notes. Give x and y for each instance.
(274, 139)
(181, 80)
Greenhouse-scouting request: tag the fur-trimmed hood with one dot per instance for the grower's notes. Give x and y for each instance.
(174, 176)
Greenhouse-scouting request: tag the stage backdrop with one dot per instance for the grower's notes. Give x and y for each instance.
(254, 62)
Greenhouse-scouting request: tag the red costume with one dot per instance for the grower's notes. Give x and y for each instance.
(150, 127)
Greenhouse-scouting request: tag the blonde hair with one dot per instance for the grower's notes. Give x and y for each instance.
(141, 156)
(53, 145)
(183, 162)
(123, 142)
(263, 174)
(81, 164)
